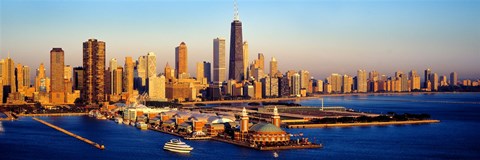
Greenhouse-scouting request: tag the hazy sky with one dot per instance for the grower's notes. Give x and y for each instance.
(319, 36)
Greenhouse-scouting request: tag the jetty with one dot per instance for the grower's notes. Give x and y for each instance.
(96, 145)
(361, 124)
(10, 116)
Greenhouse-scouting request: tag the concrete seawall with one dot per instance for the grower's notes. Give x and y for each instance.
(96, 145)
(361, 124)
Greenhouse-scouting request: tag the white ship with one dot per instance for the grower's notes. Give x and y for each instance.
(119, 120)
(141, 125)
(175, 145)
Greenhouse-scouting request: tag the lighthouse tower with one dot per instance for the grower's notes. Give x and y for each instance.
(276, 117)
(244, 121)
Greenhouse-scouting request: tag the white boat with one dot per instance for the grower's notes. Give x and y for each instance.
(175, 145)
(127, 122)
(119, 120)
(141, 125)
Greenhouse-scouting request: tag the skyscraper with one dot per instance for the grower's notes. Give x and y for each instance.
(427, 77)
(128, 75)
(181, 63)
(219, 60)
(141, 71)
(151, 64)
(40, 85)
(245, 60)
(94, 71)
(434, 81)
(78, 78)
(57, 71)
(26, 77)
(236, 70)
(19, 77)
(112, 69)
(117, 81)
(207, 71)
(169, 73)
(9, 74)
(273, 67)
(295, 84)
(362, 81)
(261, 61)
(453, 79)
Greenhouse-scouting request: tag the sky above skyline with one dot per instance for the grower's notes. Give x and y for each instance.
(323, 37)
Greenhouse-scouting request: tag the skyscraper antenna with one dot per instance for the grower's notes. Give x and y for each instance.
(236, 17)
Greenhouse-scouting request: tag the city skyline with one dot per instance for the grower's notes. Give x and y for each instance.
(200, 45)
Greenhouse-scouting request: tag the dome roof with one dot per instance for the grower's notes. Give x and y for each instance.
(265, 127)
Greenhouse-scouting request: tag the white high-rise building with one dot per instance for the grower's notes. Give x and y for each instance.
(151, 64)
(296, 84)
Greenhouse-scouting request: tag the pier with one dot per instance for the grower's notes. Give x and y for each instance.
(10, 116)
(96, 145)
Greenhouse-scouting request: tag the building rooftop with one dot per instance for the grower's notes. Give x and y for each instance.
(265, 127)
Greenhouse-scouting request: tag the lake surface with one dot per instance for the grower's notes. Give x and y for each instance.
(456, 137)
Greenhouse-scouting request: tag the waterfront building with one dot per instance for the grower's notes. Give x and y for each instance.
(467, 82)
(361, 81)
(276, 117)
(244, 121)
(336, 80)
(295, 85)
(128, 75)
(404, 83)
(453, 79)
(427, 76)
(373, 76)
(415, 80)
(304, 78)
(283, 88)
(261, 61)
(94, 71)
(319, 86)
(248, 90)
(181, 61)
(57, 70)
(219, 60)
(347, 84)
(443, 81)
(9, 75)
(19, 78)
(434, 81)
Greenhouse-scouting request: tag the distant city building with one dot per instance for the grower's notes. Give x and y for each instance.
(295, 84)
(245, 60)
(427, 76)
(169, 73)
(453, 79)
(94, 71)
(156, 88)
(112, 68)
(434, 81)
(26, 77)
(57, 70)
(443, 81)
(207, 71)
(347, 84)
(78, 80)
(361, 81)
(117, 81)
(273, 67)
(181, 60)
(151, 64)
(336, 82)
(128, 75)
(219, 60)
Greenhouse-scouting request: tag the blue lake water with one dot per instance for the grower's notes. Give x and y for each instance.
(456, 137)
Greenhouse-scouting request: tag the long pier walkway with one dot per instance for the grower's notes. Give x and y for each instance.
(96, 145)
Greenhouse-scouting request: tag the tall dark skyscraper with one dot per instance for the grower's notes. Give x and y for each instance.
(94, 71)
(236, 66)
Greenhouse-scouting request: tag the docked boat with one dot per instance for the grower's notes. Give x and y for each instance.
(119, 120)
(175, 145)
(141, 125)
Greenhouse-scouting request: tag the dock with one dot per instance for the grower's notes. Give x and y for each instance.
(269, 148)
(361, 124)
(96, 145)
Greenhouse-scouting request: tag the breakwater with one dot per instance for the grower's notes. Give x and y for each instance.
(96, 145)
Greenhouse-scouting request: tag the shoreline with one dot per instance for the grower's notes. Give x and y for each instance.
(295, 126)
(52, 114)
